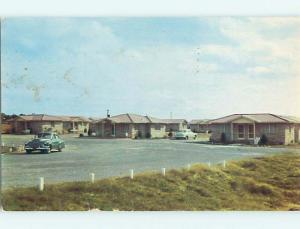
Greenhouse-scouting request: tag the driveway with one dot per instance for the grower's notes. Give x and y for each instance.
(114, 157)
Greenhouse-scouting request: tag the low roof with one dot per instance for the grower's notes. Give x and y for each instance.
(174, 121)
(44, 117)
(259, 118)
(135, 118)
(129, 118)
(292, 119)
(199, 121)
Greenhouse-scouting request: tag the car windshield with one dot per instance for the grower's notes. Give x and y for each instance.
(44, 135)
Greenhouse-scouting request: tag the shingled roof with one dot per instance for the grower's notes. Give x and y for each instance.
(199, 121)
(44, 117)
(135, 118)
(258, 118)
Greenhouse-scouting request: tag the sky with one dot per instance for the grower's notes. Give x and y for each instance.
(192, 67)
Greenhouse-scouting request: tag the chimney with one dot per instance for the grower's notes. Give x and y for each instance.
(107, 113)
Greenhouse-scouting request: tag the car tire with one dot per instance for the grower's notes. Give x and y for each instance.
(47, 150)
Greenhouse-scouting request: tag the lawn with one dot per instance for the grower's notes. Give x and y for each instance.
(261, 183)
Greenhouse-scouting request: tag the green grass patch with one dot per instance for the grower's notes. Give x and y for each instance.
(262, 183)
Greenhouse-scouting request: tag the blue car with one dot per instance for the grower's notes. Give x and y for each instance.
(45, 142)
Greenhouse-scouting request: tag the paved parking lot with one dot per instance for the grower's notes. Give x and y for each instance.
(112, 157)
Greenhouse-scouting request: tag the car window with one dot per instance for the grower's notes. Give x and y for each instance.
(44, 135)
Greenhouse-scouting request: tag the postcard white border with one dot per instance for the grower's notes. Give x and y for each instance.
(211, 220)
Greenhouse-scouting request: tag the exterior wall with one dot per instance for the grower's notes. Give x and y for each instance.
(122, 130)
(297, 133)
(83, 127)
(276, 133)
(140, 130)
(6, 128)
(77, 127)
(218, 129)
(126, 130)
(158, 130)
(37, 126)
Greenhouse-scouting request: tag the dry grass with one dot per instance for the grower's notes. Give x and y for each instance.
(264, 183)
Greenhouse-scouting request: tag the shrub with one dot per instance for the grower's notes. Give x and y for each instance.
(258, 188)
(249, 165)
(170, 134)
(223, 138)
(263, 140)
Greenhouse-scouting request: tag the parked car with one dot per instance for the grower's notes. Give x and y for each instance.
(185, 134)
(45, 142)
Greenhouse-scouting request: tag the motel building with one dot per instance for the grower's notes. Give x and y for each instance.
(249, 128)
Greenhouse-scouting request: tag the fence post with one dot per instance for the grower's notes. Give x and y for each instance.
(41, 184)
(163, 171)
(188, 166)
(131, 174)
(224, 164)
(209, 164)
(92, 175)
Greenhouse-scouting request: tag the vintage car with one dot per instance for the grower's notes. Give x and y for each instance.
(45, 142)
(185, 134)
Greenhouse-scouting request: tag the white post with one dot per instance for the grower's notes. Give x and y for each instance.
(224, 164)
(131, 174)
(209, 164)
(189, 166)
(3, 144)
(163, 171)
(92, 175)
(41, 185)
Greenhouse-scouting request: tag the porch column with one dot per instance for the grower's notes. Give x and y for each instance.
(231, 130)
(102, 129)
(73, 125)
(114, 126)
(254, 132)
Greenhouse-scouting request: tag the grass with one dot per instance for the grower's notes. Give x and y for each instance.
(262, 183)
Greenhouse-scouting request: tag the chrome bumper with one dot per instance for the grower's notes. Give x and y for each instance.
(39, 148)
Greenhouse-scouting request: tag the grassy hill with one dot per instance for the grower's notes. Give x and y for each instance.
(262, 183)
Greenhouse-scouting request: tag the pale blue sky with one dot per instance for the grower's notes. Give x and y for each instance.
(193, 67)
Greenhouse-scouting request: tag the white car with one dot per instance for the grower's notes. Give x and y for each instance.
(185, 134)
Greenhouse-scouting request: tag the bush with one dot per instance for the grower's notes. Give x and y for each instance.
(263, 140)
(223, 138)
(170, 134)
(262, 189)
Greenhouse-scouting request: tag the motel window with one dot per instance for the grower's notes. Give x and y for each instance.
(241, 132)
(250, 131)
(157, 127)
